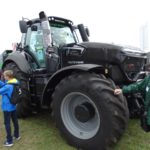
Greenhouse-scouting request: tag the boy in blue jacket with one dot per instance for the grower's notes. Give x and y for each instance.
(9, 110)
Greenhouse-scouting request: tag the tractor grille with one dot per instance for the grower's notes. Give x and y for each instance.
(133, 65)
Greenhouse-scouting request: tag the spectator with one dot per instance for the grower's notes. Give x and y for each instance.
(143, 86)
(9, 110)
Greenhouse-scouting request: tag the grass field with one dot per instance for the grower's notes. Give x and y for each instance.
(39, 133)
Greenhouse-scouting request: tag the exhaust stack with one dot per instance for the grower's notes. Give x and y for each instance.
(47, 39)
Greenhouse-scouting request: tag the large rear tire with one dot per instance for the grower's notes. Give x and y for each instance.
(23, 108)
(87, 112)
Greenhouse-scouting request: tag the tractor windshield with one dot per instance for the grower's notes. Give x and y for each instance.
(61, 34)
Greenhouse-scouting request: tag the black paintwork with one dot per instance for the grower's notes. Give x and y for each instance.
(112, 57)
(20, 61)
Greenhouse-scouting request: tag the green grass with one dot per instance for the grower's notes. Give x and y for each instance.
(134, 138)
(39, 133)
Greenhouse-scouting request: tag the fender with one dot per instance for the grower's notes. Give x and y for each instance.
(19, 59)
(64, 72)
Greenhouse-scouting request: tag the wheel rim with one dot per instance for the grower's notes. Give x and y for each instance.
(82, 130)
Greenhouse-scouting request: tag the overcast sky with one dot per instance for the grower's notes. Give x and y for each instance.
(116, 21)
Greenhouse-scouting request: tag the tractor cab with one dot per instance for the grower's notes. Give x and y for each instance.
(61, 32)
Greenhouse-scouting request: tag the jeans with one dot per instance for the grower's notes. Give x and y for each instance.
(7, 118)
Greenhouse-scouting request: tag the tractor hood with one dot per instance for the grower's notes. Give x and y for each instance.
(94, 45)
(95, 52)
(130, 60)
(99, 53)
(111, 48)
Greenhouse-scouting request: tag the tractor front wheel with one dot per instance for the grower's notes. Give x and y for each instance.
(88, 113)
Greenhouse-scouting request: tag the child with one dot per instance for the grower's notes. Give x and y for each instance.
(9, 110)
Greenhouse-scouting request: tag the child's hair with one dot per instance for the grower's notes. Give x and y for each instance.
(8, 73)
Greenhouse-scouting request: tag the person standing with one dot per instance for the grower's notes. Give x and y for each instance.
(143, 87)
(9, 110)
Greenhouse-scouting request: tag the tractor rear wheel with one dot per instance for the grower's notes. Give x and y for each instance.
(23, 108)
(87, 112)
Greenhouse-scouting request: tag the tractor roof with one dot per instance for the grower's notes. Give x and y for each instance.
(51, 18)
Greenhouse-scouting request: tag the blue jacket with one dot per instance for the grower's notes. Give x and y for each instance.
(7, 89)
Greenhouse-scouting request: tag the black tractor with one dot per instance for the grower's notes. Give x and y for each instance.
(75, 80)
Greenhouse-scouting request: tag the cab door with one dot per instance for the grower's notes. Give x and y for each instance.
(35, 44)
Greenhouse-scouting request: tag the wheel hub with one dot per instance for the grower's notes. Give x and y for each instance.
(84, 112)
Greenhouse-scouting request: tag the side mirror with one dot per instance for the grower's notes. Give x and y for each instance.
(34, 28)
(23, 26)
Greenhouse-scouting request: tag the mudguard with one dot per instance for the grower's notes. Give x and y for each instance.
(19, 59)
(66, 71)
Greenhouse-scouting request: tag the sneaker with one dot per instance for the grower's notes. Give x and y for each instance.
(9, 144)
(17, 139)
